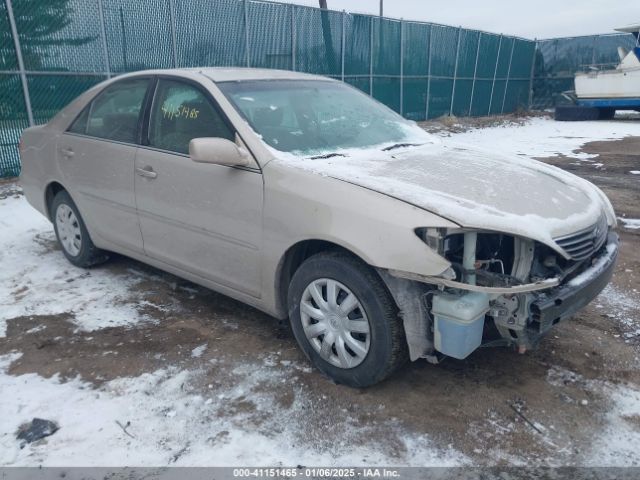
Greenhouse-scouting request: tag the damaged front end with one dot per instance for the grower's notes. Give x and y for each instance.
(500, 289)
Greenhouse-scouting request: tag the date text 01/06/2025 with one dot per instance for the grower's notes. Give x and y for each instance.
(316, 472)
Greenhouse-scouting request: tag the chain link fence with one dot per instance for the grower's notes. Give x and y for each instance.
(52, 51)
(558, 59)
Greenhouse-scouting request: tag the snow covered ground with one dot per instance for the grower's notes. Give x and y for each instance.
(36, 280)
(541, 137)
(176, 420)
(173, 424)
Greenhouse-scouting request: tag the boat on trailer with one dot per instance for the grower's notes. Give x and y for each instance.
(600, 92)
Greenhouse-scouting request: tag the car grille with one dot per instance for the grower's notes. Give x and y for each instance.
(583, 244)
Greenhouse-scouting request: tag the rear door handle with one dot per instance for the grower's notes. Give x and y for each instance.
(67, 152)
(146, 172)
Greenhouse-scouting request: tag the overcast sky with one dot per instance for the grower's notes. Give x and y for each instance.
(529, 19)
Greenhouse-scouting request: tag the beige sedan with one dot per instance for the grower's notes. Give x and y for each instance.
(305, 198)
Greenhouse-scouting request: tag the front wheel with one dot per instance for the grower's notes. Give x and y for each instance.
(345, 320)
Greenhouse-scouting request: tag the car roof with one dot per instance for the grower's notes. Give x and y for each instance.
(234, 74)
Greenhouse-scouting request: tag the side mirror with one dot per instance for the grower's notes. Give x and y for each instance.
(219, 151)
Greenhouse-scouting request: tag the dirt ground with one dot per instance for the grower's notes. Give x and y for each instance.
(495, 407)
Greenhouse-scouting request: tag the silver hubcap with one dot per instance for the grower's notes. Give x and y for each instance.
(69, 231)
(335, 323)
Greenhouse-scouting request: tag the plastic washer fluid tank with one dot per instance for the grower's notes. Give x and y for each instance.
(458, 322)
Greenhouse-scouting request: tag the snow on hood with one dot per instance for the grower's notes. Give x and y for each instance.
(472, 187)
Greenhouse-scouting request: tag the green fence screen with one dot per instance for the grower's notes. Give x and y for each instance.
(558, 59)
(420, 70)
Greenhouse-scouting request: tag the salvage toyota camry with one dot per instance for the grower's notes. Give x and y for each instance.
(305, 198)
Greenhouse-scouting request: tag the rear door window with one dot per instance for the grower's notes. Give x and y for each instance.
(115, 112)
(181, 112)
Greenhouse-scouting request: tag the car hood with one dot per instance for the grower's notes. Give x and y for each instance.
(471, 187)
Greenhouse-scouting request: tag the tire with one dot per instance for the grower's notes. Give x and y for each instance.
(384, 342)
(576, 113)
(606, 113)
(72, 233)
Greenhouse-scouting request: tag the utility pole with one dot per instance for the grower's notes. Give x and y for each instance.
(328, 37)
(381, 8)
(124, 42)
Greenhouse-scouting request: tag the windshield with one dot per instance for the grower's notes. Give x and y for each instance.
(315, 117)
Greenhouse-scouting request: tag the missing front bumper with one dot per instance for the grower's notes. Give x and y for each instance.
(560, 303)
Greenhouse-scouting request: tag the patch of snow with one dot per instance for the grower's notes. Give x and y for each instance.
(616, 443)
(36, 278)
(171, 423)
(623, 307)
(7, 360)
(560, 377)
(630, 223)
(39, 328)
(544, 137)
(198, 351)
(634, 172)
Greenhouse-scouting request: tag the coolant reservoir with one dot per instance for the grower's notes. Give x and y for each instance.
(458, 322)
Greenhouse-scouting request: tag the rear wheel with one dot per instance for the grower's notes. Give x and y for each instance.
(576, 113)
(345, 320)
(72, 233)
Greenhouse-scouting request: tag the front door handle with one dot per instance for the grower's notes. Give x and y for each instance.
(146, 172)
(67, 152)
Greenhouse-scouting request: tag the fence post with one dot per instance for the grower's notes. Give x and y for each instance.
(103, 35)
(23, 75)
(246, 33)
(455, 72)
(293, 37)
(426, 108)
(475, 72)
(344, 23)
(495, 72)
(533, 67)
(371, 56)
(506, 83)
(401, 67)
(172, 18)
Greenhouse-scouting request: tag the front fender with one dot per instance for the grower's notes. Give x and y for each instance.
(300, 205)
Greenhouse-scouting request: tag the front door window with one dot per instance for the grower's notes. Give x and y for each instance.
(181, 112)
